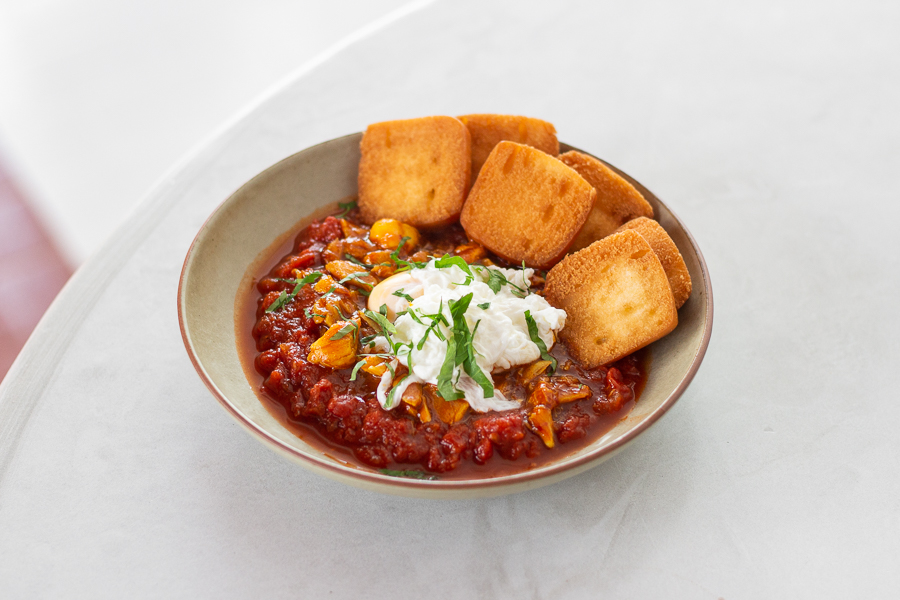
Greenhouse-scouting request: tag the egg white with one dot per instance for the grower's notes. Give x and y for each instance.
(500, 342)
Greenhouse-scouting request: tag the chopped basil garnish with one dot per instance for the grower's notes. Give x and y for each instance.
(382, 321)
(484, 305)
(403, 265)
(461, 352)
(412, 313)
(310, 314)
(344, 331)
(447, 261)
(436, 319)
(284, 298)
(496, 280)
(400, 294)
(356, 261)
(346, 207)
(356, 369)
(358, 275)
(445, 378)
(391, 397)
(533, 334)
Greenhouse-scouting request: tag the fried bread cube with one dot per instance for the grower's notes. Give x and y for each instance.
(667, 253)
(616, 297)
(526, 205)
(416, 171)
(489, 130)
(617, 200)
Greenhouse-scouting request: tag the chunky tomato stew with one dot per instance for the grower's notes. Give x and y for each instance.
(316, 337)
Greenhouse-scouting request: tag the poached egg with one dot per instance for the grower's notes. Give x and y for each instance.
(496, 313)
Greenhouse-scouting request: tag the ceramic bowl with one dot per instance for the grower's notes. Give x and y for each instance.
(267, 209)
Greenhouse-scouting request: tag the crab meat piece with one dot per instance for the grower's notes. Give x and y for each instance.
(337, 347)
(350, 273)
(375, 365)
(448, 411)
(540, 421)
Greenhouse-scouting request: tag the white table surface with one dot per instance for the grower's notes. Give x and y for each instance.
(771, 128)
(99, 97)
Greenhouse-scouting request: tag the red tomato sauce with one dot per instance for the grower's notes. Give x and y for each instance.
(324, 407)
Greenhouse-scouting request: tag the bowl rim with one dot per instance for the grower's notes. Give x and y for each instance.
(552, 471)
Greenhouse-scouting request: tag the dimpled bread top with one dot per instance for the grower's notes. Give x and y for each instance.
(526, 205)
(416, 171)
(616, 297)
(617, 200)
(667, 253)
(489, 130)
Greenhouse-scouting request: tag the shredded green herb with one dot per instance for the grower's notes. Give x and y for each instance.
(346, 207)
(484, 305)
(358, 275)
(356, 368)
(465, 346)
(533, 334)
(395, 255)
(436, 319)
(447, 261)
(284, 298)
(497, 279)
(343, 331)
(461, 352)
(412, 313)
(401, 294)
(356, 261)
(446, 389)
(310, 314)
(391, 397)
(381, 322)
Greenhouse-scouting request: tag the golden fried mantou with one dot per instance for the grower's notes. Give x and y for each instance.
(526, 205)
(667, 253)
(617, 201)
(416, 171)
(488, 130)
(616, 297)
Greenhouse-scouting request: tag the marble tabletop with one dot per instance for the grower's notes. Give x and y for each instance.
(770, 128)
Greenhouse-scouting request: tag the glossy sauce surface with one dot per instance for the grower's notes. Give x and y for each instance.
(324, 407)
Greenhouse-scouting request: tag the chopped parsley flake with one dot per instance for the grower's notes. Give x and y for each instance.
(284, 298)
(401, 294)
(356, 368)
(346, 207)
(533, 334)
(343, 331)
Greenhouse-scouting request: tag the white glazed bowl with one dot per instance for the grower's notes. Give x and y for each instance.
(268, 208)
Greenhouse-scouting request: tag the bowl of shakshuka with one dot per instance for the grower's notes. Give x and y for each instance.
(445, 307)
